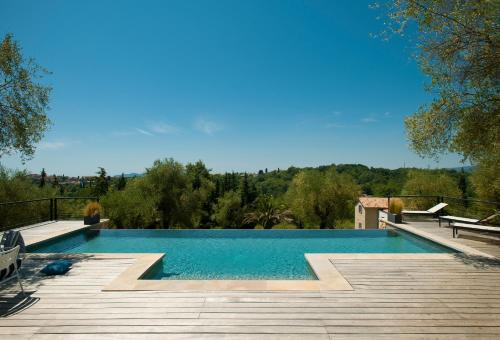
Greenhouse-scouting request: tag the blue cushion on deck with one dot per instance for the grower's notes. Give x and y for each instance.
(57, 267)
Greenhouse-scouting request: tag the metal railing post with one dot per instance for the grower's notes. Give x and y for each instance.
(55, 209)
(51, 209)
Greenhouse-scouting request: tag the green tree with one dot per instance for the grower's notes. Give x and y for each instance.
(486, 180)
(55, 181)
(43, 177)
(323, 198)
(228, 212)
(245, 191)
(202, 193)
(459, 49)
(101, 183)
(463, 186)
(122, 182)
(23, 101)
(171, 186)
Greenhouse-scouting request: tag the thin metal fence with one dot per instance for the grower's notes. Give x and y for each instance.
(20, 213)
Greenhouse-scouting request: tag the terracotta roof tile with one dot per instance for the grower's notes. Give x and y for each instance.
(374, 202)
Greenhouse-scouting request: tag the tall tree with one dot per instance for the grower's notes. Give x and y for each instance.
(459, 50)
(462, 183)
(55, 181)
(43, 177)
(101, 183)
(245, 190)
(172, 190)
(323, 198)
(23, 101)
(122, 182)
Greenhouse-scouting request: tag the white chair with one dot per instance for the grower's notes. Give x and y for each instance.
(477, 227)
(8, 266)
(432, 211)
(459, 219)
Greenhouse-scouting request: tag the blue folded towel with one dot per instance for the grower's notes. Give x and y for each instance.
(58, 267)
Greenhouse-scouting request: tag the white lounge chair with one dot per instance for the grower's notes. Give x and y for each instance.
(432, 211)
(8, 266)
(477, 227)
(466, 219)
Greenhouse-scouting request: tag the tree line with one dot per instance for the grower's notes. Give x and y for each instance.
(172, 195)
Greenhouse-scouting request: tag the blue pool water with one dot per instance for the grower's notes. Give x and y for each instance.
(237, 254)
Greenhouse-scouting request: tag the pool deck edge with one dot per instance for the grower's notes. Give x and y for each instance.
(441, 240)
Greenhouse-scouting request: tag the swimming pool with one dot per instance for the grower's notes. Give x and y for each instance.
(236, 254)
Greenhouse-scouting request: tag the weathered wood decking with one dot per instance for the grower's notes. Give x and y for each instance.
(456, 298)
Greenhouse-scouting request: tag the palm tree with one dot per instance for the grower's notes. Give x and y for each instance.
(268, 213)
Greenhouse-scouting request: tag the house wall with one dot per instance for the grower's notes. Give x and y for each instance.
(371, 218)
(365, 218)
(359, 216)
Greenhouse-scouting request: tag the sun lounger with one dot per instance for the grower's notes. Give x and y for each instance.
(476, 227)
(466, 219)
(432, 211)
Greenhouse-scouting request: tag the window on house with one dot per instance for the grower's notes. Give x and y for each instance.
(360, 225)
(360, 208)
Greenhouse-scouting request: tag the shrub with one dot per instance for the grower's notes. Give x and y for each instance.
(396, 206)
(92, 209)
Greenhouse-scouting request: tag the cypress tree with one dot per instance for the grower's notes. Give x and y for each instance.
(43, 176)
(245, 191)
(55, 182)
(122, 182)
(462, 185)
(102, 183)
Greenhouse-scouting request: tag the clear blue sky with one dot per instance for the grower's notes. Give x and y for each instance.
(241, 85)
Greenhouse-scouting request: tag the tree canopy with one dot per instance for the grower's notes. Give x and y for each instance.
(459, 49)
(23, 101)
(323, 198)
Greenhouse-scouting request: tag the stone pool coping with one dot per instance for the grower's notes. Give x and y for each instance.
(329, 278)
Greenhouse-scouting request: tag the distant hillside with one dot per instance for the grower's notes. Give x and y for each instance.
(130, 175)
(133, 174)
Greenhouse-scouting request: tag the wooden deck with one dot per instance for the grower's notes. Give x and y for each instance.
(456, 298)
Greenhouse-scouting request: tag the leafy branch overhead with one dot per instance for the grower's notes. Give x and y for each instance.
(23, 101)
(459, 49)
